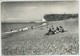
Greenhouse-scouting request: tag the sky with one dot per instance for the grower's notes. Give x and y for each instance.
(33, 11)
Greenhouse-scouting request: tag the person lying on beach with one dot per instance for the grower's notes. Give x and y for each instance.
(11, 30)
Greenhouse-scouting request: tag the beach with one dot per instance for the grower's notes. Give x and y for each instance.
(34, 41)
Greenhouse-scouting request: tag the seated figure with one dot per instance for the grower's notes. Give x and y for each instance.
(53, 31)
(61, 29)
(49, 32)
(57, 29)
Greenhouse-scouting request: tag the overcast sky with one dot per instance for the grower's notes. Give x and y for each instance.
(31, 11)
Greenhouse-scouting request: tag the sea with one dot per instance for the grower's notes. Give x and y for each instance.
(5, 27)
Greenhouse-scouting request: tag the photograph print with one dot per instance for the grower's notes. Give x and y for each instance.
(39, 28)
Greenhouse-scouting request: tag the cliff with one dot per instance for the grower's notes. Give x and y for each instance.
(57, 17)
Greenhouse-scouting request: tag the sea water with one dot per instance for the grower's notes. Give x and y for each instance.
(5, 27)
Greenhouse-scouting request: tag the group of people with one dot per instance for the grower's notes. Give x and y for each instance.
(21, 29)
(50, 31)
(54, 31)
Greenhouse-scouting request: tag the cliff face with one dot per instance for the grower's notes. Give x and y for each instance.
(57, 17)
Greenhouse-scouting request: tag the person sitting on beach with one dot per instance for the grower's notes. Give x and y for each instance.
(31, 27)
(57, 29)
(53, 31)
(61, 29)
(49, 32)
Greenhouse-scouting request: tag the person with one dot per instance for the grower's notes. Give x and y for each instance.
(31, 27)
(11, 30)
(53, 31)
(61, 29)
(57, 29)
(49, 32)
